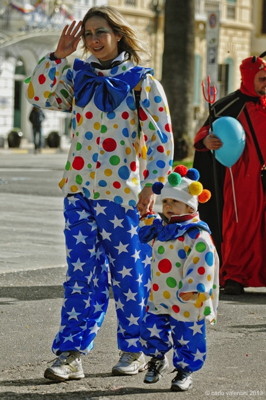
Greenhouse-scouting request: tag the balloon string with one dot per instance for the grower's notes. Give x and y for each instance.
(234, 193)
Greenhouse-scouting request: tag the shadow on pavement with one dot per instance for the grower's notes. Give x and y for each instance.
(9, 294)
(245, 298)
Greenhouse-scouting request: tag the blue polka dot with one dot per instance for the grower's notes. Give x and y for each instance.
(87, 183)
(118, 200)
(193, 233)
(189, 271)
(157, 99)
(111, 115)
(95, 157)
(89, 135)
(134, 134)
(114, 70)
(125, 132)
(74, 124)
(181, 254)
(123, 173)
(160, 164)
(201, 288)
(102, 183)
(51, 73)
(132, 203)
(131, 103)
(146, 103)
(209, 258)
(164, 306)
(86, 193)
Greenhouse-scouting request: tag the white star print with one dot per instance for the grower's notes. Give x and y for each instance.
(142, 303)
(136, 255)
(73, 314)
(121, 330)
(98, 307)
(67, 225)
(99, 209)
(139, 280)
(76, 288)
(130, 295)
(72, 200)
(87, 303)
(119, 305)
(196, 328)
(105, 235)
(122, 248)
(147, 261)
(133, 320)
(68, 251)
(68, 338)
(125, 272)
(133, 231)
(94, 329)
(132, 342)
(78, 265)
(115, 283)
(199, 356)
(117, 222)
(183, 342)
(80, 238)
(182, 364)
(82, 214)
(155, 331)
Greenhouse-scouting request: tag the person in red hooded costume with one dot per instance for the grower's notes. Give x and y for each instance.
(238, 226)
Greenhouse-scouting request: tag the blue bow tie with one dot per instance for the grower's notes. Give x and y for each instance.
(168, 232)
(109, 92)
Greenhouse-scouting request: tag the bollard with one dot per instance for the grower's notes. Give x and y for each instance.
(14, 138)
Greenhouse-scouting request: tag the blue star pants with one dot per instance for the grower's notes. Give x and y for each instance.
(101, 234)
(161, 332)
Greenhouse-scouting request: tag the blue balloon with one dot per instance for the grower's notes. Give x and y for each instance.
(231, 133)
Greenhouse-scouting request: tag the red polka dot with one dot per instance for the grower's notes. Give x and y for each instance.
(109, 144)
(98, 140)
(201, 270)
(78, 117)
(59, 101)
(145, 173)
(78, 163)
(155, 287)
(36, 98)
(181, 238)
(133, 166)
(160, 149)
(161, 109)
(168, 127)
(98, 164)
(117, 185)
(41, 79)
(165, 265)
(89, 115)
(176, 309)
(142, 115)
(125, 115)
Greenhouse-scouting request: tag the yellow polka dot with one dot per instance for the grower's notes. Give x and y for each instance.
(127, 190)
(30, 91)
(186, 314)
(190, 280)
(209, 278)
(80, 122)
(187, 249)
(166, 294)
(128, 150)
(108, 172)
(115, 126)
(135, 181)
(108, 192)
(89, 147)
(156, 118)
(92, 175)
(132, 121)
(148, 88)
(171, 246)
(102, 151)
(97, 125)
(73, 188)
(196, 260)
(153, 138)
(151, 296)
(46, 94)
(47, 65)
(158, 273)
(62, 183)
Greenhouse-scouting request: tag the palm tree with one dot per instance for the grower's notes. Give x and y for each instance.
(178, 70)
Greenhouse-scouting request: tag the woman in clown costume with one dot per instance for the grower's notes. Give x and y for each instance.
(107, 181)
(185, 288)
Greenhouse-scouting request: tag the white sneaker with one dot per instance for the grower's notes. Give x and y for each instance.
(156, 367)
(67, 366)
(129, 364)
(182, 381)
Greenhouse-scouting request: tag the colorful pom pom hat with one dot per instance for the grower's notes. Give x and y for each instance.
(183, 185)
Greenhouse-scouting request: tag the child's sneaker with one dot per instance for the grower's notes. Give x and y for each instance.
(67, 366)
(129, 364)
(182, 381)
(156, 366)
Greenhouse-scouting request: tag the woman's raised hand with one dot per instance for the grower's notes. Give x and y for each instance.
(69, 40)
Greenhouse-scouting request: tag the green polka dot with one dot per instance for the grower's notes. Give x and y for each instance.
(122, 142)
(27, 80)
(161, 249)
(200, 247)
(77, 133)
(155, 172)
(64, 93)
(96, 195)
(79, 179)
(180, 285)
(124, 68)
(207, 311)
(89, 165)
(178, 264)
(214, 286)
(171, 282)
(103, 128)
(78, 146)
(68, 165)
(114, 160)
(151, 126)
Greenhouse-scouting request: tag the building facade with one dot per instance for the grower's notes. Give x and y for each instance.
(31, 28)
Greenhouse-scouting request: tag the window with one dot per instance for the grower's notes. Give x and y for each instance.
(231, 9)
(131, 3)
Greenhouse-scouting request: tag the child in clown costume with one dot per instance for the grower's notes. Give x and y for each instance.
(107, 182)
(185, 288)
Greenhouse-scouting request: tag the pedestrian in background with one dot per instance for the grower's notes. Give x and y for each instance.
(107, 181)
(36, 118)
(185, 288)
(243, 238)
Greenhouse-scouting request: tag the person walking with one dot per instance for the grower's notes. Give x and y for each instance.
(242, 237)
(185, 285)
(121, 144)
(36, 118)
